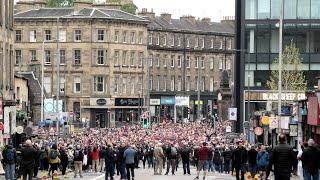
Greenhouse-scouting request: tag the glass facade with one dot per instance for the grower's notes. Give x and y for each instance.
(293, 9)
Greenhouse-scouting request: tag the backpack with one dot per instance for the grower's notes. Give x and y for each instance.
(43, 154)
(10, 155)
(53, 154)
(174, 151)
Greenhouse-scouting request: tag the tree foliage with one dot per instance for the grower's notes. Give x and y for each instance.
(130, 8)
(293, 78)
(62, 3)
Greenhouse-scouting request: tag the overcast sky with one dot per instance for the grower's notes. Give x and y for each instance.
(214, 9)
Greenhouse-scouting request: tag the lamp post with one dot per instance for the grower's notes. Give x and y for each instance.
(280, 64)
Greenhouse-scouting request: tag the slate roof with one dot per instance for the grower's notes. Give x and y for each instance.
(83, 13)
(185, 25)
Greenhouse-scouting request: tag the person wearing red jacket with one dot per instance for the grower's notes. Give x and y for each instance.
(203, 160)
(95, 158)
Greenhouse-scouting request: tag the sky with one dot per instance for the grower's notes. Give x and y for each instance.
(214, 9)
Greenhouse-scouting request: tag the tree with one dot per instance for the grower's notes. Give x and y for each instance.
(62, 3)
(293, 78)
(130, 8)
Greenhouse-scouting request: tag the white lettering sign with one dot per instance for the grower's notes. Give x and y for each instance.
(284, 96)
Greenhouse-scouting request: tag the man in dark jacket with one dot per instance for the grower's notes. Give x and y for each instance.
(185, 156)
(9, 159)
(28, 154)
(311, 157)
(172, 154)
(252, 160)
(102, 156)
(78, 159)
(110, 162)
(239, 160)
(227, 155)
(281, 158)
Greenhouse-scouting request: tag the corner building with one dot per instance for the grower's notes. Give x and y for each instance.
(102, 55)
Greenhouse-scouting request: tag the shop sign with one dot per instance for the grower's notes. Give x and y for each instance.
(258, 131)
(182, 101)
(228, 129)
(293, 130)
(129, 102)
(1, 108)
(166, 100)
(284, 96)
(232, 114)
(154, 102)
(101, 102)
(265, 120)
(197, 102)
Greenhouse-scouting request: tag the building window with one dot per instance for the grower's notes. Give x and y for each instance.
(188, 82)
(188, 42)
(151, 83)
(124, 36)
(62, 36)
(77, 57)
(132, 89)
(202, 62)
(47, 35)
(116, 58)
(76, 110)
(77, 84)
(140, 37)
(62, 57)
(164, 83)
(165, 60)
(47, 54)
(179, 84)
(196, 83)
(179, 61)
(116, 84)
(124, 58)
(140, 83)
(33, 55)
(230, 44)
(202, 43)
(150, 39)
(33, 36)
(100, 60)
(133, 37)
(158, 83)
(158, 39)
(188, 62)
(150, 60)
(211, 84)
(228, 64)
(211, 63)
(158, 60)
(196, 44)
(18, 36)
(132, 58)
(197, 62)
(62, 84)
(172, 83)
(212, 43)
(165, 40)
(141, 56)
(221, 64)
(77, 35)
(221, 44)
(98, 83)
(116, 36)
(172, 40)
(47, 84)
(172, 61)
(18, 57)
(124, 85)
(101, 35)
(179, 41)
(203, 83)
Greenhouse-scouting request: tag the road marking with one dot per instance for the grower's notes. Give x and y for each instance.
(99, 177)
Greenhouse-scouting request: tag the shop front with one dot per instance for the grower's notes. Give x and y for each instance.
(128, 110)
(155, 110)
(101, 112)
(167, 104)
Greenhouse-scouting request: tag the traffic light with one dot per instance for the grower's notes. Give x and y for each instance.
(209, 109)
(145, 123)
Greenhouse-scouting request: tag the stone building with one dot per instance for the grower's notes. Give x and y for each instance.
(99, 59)
(7, 99)
(179, 51)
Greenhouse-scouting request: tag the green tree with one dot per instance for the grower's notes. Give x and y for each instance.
(130, 8)
(62, 3)
(293, 78)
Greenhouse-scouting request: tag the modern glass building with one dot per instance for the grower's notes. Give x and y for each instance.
(257, 43)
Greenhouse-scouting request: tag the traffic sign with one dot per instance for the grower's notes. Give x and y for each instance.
(228, 129)
(265, 120)
(232, 114)
(1, 126)
(258, 131)
(273, 122)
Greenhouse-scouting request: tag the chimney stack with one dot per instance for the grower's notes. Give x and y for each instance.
(166, 16)
(189, 18)
(206, 20)
(25, 5)
(81, 4)
(144, 12)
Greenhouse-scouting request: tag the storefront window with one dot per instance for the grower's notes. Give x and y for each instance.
(315, 6)
(290, 9)
(263, 39)
(315, 40)
(251, 8)
(303, 9)
(263, 9)
(275, 9)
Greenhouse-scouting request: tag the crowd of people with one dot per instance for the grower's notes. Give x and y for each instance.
(163, 147)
